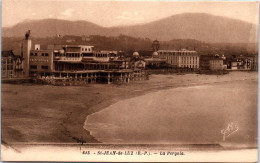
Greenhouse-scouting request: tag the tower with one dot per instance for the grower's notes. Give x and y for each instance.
(27, 46)
(156, 45)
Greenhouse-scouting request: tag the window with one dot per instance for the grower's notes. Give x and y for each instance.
(46, 54)
(43, 54)
(45, 67)
(33, 66)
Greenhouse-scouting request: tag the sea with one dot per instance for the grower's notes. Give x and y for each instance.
(224, 114)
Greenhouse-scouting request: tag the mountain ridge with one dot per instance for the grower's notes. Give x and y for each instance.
(199, 26)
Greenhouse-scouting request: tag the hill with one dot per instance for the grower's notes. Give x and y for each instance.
(202, 27)
(52, 27)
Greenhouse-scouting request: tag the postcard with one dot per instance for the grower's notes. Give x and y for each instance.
(135, 81)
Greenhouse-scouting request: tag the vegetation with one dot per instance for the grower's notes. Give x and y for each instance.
(130, 44)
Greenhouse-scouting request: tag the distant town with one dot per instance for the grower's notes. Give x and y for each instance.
(82, 64)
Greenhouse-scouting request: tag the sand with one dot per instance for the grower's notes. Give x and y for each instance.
(56, 114)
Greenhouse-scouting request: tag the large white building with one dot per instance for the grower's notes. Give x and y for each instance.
(180, 58)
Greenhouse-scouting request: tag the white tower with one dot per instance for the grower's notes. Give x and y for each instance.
(27, 46)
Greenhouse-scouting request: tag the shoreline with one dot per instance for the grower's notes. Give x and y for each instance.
(167, 87)
(184, 86)
(71, 124)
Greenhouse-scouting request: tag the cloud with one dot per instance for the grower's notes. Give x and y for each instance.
(135, 15)
(33, 14)
(67, 12)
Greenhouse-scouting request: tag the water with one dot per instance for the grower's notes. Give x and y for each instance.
(188, 115)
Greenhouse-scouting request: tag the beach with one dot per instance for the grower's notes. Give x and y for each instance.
(183, 115)
(56, 114)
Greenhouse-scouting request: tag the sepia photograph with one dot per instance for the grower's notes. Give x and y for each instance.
(135, 81)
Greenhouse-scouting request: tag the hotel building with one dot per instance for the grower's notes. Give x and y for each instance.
(180, 58)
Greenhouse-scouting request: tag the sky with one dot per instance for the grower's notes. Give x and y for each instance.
(120, 13)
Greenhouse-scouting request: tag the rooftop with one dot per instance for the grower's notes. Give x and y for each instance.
(89, 46)
(8, 53)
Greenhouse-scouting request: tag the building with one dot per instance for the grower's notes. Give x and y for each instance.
(211, 63)
(180, 58)
(11, 65)
(40, 62)
(254, 62)
(155, 62)
(216, 64)
(78, 63)
(72, 58)
(249, 63)
(137, 62)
